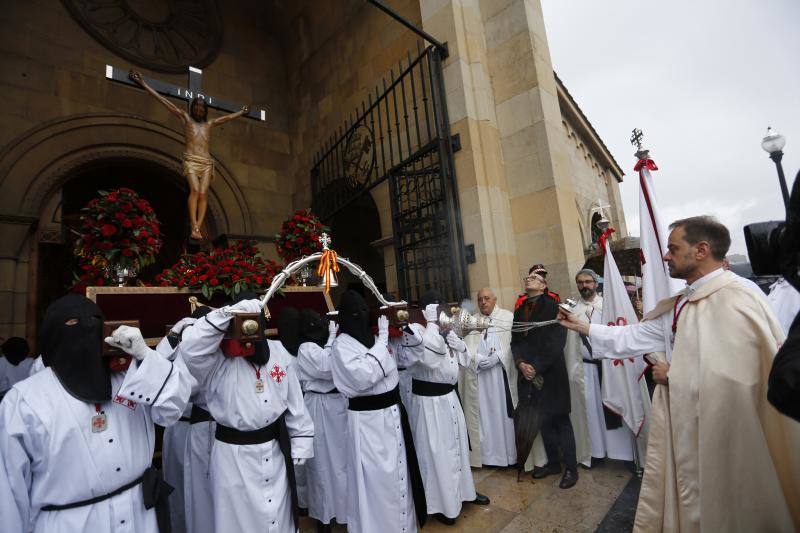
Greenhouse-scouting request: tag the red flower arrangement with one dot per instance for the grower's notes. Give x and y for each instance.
(299, 236)
(118, 229)
(228, 270)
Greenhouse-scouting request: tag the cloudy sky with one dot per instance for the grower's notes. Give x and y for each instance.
(703, 79)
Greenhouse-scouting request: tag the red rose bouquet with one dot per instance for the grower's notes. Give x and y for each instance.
(119, 229)
(228, 270)
(299, 236)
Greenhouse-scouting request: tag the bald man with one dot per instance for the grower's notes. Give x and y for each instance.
(490, 387)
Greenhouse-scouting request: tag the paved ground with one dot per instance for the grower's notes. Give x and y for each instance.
(540, 506)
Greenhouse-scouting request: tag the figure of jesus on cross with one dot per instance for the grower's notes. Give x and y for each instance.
(198, 167)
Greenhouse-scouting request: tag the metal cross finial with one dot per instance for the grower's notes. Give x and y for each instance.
(325, 240)
(636, 138)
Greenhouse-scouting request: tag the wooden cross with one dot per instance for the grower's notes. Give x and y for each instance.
(185, 93)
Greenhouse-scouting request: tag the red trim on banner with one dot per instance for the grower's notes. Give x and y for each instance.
(646, 194)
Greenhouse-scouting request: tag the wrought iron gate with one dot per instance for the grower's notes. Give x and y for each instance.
(402, 134)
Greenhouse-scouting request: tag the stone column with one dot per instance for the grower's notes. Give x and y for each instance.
(516, 195)
(16, 232)
(479, 166)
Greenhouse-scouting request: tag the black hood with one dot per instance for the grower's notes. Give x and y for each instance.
(72, 345)
(431, 297)
(289, 329)
(354, 318)
(313, 327)
(15, 349)
(261, 355)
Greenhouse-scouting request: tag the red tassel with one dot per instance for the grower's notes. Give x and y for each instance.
(601, 240)
(649, 163)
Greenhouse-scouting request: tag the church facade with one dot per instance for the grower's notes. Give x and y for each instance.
(452, 166)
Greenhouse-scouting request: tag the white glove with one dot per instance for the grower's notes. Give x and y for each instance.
(488, 361)
(182, 324)
(333, 329)
(431, 312)
(299, 462)
(130, 341)
(455, 343)
(248, 306)
(383, 329)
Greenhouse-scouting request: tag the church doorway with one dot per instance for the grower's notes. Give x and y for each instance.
(166, 192)
(361, 223)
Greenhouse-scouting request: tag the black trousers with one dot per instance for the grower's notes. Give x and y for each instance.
(557, 433)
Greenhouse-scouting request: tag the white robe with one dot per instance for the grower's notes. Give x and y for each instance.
(468, 388)
(197, 494)
(498, 447)
(173, 448)
(326, 472)
(440, 431)
(401, 348)
(379, 495)
(12, 374)
(50, 456)
(784, 300)
(249, 482)
(37, 366)
(612, 443)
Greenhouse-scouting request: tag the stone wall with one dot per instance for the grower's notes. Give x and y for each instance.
(51, 70)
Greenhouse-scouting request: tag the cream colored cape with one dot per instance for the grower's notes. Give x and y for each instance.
(720, 457)
(577, 385)
(468, 379)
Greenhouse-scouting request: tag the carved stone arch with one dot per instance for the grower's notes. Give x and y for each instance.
(39, 161)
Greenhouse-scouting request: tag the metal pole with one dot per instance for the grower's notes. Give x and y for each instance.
(776, 157)
(425, 35)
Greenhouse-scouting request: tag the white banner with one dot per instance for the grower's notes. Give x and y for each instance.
(656, 283)
(622, 392)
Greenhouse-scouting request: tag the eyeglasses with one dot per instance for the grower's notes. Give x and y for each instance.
(533, 278)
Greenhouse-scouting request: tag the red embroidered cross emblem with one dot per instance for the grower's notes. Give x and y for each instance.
(277, 374)
(130, 404)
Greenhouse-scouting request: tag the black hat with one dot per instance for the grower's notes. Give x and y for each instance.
(354, 318)
(313, 327)
(72, 345)
(289, 329)
(539, 269)
(15, 349)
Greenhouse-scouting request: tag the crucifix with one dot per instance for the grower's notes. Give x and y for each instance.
(198, 166)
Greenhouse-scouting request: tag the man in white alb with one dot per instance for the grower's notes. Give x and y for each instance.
(490, 387)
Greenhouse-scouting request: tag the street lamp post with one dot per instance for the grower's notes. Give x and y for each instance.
(773, 143)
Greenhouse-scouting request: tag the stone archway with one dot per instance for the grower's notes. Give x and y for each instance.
(37, 164)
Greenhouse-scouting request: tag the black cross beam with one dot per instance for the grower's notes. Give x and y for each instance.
(184, 93)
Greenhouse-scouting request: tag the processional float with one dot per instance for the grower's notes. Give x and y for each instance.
(454, 318)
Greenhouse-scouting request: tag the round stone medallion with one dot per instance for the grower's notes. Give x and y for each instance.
(161, 35)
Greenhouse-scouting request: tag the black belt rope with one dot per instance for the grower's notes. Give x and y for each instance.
(276, 430)
(199, 415)
(155, 493)
(431, 388)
